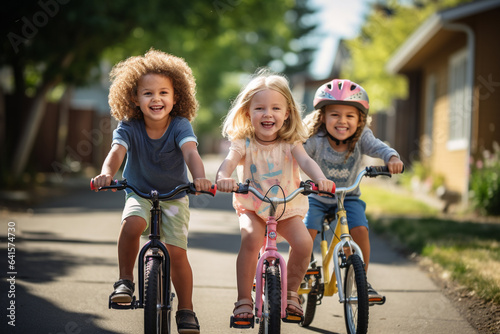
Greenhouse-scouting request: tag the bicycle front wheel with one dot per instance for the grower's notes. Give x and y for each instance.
(156, 319)
(356, 295)
(272, 302)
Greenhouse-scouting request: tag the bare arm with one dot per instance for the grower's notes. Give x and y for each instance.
(110, 166)
(311, 168)
(195, 165)
(224, 181)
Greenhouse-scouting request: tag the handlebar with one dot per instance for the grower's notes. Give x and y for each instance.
(306, 188)
(309, 187)
(122, 184)
(371, 171)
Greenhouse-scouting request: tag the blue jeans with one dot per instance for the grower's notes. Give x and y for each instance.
(354, 207)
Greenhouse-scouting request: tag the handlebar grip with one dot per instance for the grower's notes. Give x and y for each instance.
(315, 188)
(92, 187)
(212, 191)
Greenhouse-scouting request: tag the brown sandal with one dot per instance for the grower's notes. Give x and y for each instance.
(242, 306)
(294, 316)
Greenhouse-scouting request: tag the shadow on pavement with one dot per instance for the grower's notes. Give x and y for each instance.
(34, 314)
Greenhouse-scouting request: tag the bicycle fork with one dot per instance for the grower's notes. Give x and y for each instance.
(165, 262)
(345, 241)
(270, 254)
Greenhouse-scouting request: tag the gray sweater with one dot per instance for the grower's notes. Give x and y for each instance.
(332, 162)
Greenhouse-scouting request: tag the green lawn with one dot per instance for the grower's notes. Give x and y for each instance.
(468, 251)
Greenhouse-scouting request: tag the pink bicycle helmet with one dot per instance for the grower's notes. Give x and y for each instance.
(340, 91)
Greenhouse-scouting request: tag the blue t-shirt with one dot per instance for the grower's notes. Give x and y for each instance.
(154, 163)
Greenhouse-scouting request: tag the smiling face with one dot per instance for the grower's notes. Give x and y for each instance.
(268, 111)
(155, 97)
(341, 121)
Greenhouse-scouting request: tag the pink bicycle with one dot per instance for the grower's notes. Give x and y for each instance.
(270, 276)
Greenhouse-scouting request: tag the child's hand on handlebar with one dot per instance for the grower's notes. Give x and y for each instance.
(395, 165)
(326, 185)
(202, 184)
(227, 185)
(102, 180)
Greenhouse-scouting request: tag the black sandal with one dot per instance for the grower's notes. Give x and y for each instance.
(187, 322)
(124, 291)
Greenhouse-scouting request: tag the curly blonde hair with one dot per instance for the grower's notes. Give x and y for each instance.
(125, 78)
(314, 122)
(237, 124)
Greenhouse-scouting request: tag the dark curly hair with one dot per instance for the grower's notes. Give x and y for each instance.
(125, 78)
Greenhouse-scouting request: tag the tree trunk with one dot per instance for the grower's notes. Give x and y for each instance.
(25, 144)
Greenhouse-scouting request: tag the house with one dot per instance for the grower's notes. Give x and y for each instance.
(452, 62)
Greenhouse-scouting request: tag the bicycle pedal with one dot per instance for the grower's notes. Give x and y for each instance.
(122, 306)
(311, 271)
(376, 301)
(293, 318)
(242, 323)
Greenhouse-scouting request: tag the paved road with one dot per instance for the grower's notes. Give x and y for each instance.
(66, 264)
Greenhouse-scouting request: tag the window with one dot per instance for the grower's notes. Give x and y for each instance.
(459, 102)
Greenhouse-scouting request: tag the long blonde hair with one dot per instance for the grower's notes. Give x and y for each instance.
(314, 123)
(125, 78)
(237, 124)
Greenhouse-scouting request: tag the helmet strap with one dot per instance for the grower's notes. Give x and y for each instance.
(337, 142)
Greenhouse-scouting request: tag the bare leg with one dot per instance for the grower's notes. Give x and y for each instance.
(313, 233)
(252, 230)
(295, 232)
(128, 245)
(182, 276)
(360, 235)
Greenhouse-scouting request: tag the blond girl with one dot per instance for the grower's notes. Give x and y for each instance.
(265, 129)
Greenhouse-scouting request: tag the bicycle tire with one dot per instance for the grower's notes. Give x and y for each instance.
(156, 320)
(355, 289)
(311, 302)
(272, 290)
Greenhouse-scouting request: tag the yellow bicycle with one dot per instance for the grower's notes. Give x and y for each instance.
(347, 277)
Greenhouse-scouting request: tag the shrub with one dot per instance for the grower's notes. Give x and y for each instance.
(485, 182)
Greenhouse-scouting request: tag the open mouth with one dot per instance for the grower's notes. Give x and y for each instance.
(267, 125)
(341, 129)
(156, 108)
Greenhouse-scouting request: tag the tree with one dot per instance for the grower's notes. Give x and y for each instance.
(57, 43)
(386, 28)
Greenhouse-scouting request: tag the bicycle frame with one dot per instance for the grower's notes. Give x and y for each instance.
(271, 250)
(155, 244)
(270, 254)
(332, 280)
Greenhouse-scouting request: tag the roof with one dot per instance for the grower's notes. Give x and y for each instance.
(432, 30)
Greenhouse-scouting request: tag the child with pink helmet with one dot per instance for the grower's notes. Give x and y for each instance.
(338, 139)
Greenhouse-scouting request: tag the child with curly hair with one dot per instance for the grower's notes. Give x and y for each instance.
(338, 139)
(265, 128)
(153, 97)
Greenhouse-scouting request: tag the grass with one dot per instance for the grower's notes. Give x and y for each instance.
(469, 252)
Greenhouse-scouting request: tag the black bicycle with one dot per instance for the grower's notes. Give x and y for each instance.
(154, 282)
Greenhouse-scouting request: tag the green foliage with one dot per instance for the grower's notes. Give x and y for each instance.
(384, 31)
(215, 37)
(485, 183)
(469, 251)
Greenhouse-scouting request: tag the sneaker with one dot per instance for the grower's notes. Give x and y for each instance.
(374, 298)
(124, 290)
